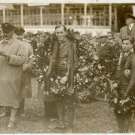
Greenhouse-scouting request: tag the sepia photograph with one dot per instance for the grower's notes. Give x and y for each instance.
(67, 66)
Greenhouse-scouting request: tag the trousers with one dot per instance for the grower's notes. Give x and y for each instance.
(66, 110)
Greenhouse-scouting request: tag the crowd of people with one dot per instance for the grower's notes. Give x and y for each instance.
(69, 68)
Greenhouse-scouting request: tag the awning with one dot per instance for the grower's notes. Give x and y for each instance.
(6, 6)
(39, 2)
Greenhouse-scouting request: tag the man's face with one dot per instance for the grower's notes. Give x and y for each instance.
(129, 21)
(60, 33)
(126, 46)
(8, 35)
(110, 36)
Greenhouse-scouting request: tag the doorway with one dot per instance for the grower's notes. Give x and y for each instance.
(122, 10)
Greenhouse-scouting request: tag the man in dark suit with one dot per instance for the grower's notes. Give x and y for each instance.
(128, 31)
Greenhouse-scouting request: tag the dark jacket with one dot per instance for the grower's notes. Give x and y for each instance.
(59, 53)
(123, 80)
(131, 86)
(125, 33)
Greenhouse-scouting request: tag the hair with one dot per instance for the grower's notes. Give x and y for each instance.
(59, 26)
(126, 39)
(19, 31)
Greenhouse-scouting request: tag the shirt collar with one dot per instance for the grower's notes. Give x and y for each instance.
(131, 26)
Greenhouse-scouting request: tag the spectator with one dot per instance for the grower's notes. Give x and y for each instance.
(123, 78)
(12, 57)
(62, 64)
(26, 89)
(128, 31)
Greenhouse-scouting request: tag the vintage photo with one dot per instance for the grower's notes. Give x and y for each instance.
(67, 66)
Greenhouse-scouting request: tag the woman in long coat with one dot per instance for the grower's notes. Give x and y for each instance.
(12, 57)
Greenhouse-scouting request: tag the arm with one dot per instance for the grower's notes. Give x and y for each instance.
(52, 59)
(27, 66)
(18, 59)
(128, 64)
(132, 80)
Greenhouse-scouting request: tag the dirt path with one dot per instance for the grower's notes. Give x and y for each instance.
(90, 118)
(96, 117)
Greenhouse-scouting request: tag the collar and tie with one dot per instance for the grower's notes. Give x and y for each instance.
(131, 26)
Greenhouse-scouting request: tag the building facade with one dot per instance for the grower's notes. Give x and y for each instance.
(83, 17)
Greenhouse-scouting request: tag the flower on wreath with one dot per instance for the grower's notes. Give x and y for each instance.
(58, 85)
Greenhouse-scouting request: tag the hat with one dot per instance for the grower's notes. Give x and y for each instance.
(7, 27)
(129, 16)
(19, 30)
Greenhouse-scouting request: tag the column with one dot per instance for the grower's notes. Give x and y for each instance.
(116, 19)
(85, 14)
(4, 15)
(62, 13)
(110, 15)
(133, 9)
(22, 19)
(91, 15)
(41, 15)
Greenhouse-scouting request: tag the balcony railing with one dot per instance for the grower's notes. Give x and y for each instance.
(32, 17)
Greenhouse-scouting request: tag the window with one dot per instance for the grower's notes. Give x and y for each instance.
(31, 15)
(73, 14)
(52, 14)
(13, 15)
(98, 15)
(1, 16)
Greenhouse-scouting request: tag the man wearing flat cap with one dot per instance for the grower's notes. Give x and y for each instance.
(12, 57)
(128, 31)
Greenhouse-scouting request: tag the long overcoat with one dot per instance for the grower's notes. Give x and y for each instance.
(11, 72)
(26, 88)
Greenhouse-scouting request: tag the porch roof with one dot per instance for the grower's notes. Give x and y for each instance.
(44, 2)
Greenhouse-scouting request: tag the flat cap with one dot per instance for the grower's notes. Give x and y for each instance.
(7, 27)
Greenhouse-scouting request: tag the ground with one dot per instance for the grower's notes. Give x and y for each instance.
(95, 117)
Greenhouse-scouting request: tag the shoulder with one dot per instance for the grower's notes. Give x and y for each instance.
(27, 46)
(133, 27)
(26, 43)
(133, 57)
(123, 28)
(1, 41)
(17, 43)
(20, 44)
(69, 41)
